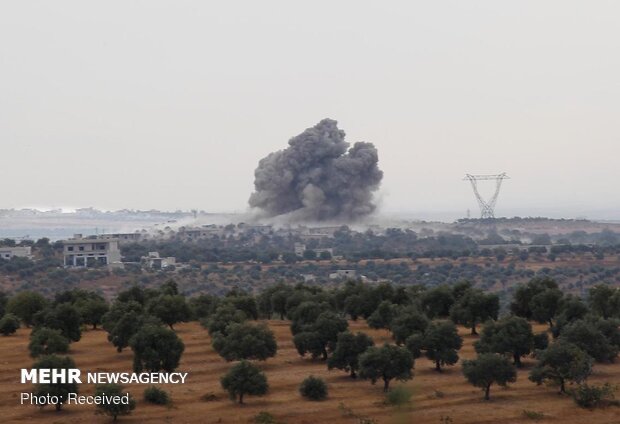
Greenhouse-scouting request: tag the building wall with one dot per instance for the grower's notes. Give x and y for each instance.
(19, 251)
(89, 252)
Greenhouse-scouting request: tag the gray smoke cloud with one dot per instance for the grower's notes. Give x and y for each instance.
(316, 178)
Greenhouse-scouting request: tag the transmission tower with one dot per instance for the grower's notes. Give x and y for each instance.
(486, 206)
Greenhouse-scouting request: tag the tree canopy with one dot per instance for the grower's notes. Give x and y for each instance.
(488, 369)
(244, 379)
(387, 363)
(562, 362)
(111, 409)
(155, 349)
(440, 343)
(348, 349)
(510, 335)
(245, 341)
(61, 390)
(25, 305)
(473, 307)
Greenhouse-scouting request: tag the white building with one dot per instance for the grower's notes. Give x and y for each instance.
(343, 273)
(91, 251)
(154, 261)
(15, 251)
(300, 248)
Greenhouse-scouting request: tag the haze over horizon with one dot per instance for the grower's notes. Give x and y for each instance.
(162, 105)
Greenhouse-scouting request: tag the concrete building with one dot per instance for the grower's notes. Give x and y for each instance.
(321, 250)
(343, 273)
(15, 251)
(308, 278)
(123, 238)
(326, 231)
(154, 261)
(300, 248)
(196, 233)
(91, 251)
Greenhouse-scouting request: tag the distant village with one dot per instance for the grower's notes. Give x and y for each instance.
(104, 250)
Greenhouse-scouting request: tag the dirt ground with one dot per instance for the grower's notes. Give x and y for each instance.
(439, 398)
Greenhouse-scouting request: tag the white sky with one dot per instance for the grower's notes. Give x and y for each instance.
(170, 105)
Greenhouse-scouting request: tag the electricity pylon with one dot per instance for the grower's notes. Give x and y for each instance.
(486, 206)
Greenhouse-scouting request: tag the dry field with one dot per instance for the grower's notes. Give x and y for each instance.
(436, 395)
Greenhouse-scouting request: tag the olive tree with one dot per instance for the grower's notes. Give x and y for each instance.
(223, 316)
(244, 379)
(604, 300)
(440, 343)
(321, 336)
(436, 302)
(348, 349)
(25, 305)
(127, 325)
(408, 321)
(9, 324)
(112, 409)
(588, 336)
(487, 369)
(156, 348)
(245, 341)
(382, 316)
(510, 335)
(170, 309)
(473, 307)
(64, 317)
(58, 389)
(47, 341)
(521, 300)
(387, 363)
(562, 362)
(92, 310)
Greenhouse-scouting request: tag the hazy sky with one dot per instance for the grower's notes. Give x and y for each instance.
(170, 105)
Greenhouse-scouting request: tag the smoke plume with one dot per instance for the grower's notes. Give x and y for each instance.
(316, 178)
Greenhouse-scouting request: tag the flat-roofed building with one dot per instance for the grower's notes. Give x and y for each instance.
(300, 248)
(343, 273)
(154, 261)
(196, 233)
(123, 238)
(91, 251)
(15, 251)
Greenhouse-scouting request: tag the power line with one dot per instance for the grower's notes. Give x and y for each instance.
(487, 207)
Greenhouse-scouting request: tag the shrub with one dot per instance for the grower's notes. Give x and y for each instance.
(112, 409)
(9, 324)
(209, 397)
(399, 396)
(593, 396)
(264, 418)
(244, 379)
(533, 415)
(156, 395)
(313, 388)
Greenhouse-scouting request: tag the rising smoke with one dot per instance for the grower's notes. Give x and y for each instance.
(317, 179)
